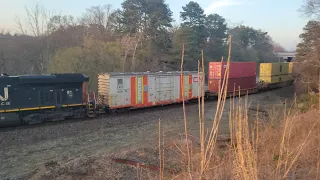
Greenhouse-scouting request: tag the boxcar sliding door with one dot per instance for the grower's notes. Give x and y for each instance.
(165, 88)
(121, 96)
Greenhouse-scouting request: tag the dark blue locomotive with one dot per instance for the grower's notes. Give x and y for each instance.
(35, 99)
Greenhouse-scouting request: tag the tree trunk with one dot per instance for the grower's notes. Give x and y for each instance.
(2, 63)
(124, 61)
(133, 64)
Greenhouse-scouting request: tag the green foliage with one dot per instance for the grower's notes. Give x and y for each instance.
(251, 45)
(137, 37)
(151, 17)
(308, 56)
(216, 28)
(148, 23)
(92, 58)
(193, 22)
(305, 49)
(192, 15)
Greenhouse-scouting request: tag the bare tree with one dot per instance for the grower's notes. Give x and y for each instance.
(57, 22)
(311, 8)
(3, 62)
(278, 48)
(4, 31)
(36, 24)
(98, 15)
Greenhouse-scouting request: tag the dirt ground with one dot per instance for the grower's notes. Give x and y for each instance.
(35, 152)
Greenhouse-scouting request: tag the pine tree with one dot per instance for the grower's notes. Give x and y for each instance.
(308, 56)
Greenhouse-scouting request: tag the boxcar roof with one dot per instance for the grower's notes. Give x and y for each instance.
(49, 78)
(146, 73)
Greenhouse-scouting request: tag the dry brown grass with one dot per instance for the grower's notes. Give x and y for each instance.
(289, 150)
(285, 146)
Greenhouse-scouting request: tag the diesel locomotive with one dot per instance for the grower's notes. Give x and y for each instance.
(35, 99)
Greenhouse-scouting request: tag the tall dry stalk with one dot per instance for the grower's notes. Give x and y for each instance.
(160, 154)
(244, 150)
(207, 149)
(184, 113)
(199, 114)
(202, 138)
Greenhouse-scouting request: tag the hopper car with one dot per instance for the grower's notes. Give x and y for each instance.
(33, 99)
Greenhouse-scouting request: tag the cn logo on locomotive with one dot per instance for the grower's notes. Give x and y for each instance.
(5, 98)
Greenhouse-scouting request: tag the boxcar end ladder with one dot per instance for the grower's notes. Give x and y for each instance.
(91, 104)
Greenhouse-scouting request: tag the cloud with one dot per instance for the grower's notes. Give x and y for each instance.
(224, 3)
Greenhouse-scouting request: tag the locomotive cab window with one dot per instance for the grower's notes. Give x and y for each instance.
(280, 68)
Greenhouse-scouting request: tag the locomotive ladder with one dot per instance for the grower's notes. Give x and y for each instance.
(91, 104)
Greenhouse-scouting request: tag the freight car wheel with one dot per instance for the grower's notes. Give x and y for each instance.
(113, 111)
(122, 110)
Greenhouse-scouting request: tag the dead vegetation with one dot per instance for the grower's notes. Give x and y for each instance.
(289, 150)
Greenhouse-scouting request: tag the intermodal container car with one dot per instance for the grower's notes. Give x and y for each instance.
(273, 69)
(236, 69)
(243, 83)
(275, 79)
(145, 89)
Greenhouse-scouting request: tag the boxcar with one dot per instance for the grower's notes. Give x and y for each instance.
(242, 75)
(145, 89)
(34, 99)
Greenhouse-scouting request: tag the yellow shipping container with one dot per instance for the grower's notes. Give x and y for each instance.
(273, 69)
(275, 79)
(290, 67)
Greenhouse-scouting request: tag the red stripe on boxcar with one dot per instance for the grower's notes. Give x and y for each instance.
(190, 85)
(145, 90)
(181, 86)
(133, 91)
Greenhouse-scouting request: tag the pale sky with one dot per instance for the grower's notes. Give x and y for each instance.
(278, 17)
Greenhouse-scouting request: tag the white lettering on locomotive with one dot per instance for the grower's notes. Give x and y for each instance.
(5, 103)
(6, 95)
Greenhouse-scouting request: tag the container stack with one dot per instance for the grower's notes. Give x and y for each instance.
(241, 75)
(275, 72)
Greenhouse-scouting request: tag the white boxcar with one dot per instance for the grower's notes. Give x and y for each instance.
(145, 89)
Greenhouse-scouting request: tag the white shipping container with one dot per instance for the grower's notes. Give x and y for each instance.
(134, 90)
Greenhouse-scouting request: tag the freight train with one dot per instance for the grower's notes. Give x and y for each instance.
(32, 99)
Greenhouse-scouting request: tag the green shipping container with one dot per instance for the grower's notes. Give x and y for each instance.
(273, 69)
